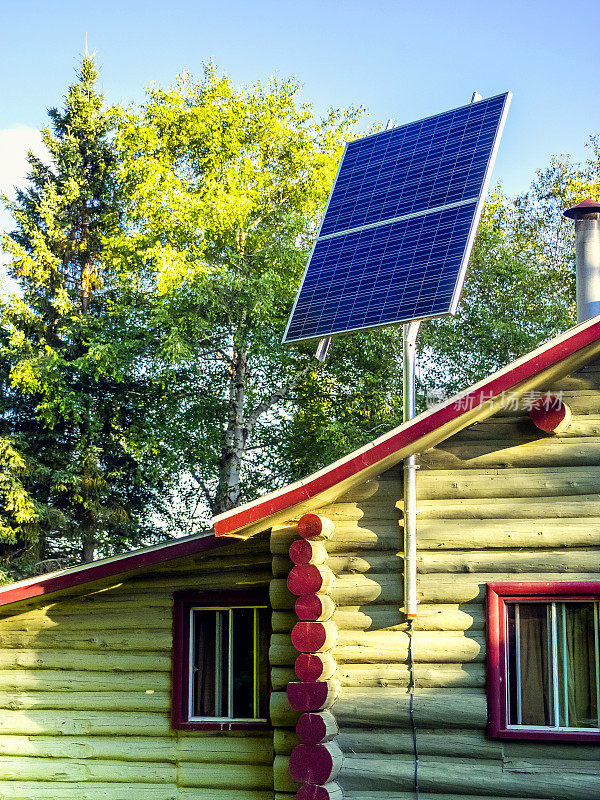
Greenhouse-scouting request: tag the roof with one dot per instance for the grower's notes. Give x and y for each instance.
(556, 358)
(561, 355)
(107, 567)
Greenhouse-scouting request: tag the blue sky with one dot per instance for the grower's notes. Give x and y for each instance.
(399, 59)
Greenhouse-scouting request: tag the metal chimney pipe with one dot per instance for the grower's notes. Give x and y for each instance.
(587, 253)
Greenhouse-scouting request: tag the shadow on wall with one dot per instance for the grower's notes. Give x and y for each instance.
(372, 646)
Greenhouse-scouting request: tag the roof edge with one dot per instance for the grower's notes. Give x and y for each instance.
(250, 518)
(109, 567)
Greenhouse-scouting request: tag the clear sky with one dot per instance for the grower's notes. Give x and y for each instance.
(400, 58)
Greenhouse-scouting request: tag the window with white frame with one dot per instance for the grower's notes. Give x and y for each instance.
(544, 663)
(552, 667)
(228, 669)
(221, 675)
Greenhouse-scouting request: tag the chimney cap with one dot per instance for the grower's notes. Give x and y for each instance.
(588, 206)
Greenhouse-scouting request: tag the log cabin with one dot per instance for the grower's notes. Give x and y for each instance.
(274, 659)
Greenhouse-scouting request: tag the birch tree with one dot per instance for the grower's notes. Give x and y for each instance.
(225, 188)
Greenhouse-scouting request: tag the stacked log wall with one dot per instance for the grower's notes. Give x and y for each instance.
(85, 681)
(499, 501)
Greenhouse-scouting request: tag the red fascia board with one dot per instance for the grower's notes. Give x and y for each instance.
(46, 584)
(503, 381)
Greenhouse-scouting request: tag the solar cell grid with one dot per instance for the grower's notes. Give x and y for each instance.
(417, 166)
(361, 279)
(399, 223)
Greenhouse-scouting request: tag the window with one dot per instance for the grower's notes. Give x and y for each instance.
(544, 661)
(220, 665)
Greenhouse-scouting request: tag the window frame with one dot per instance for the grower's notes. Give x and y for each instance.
(497, 596)
(183, 603)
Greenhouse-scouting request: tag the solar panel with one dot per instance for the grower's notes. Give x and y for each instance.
(400, 222)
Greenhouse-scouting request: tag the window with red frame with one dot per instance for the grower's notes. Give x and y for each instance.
(544, 661)
(220, 669)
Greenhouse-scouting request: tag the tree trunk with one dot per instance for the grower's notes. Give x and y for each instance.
(88, 546)
(234, 442)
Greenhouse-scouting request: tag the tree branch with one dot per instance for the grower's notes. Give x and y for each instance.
(204, 489)
(276, 397)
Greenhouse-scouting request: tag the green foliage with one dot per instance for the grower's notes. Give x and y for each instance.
(18, 513)
(354, 399)
(75, 349)
(224, 190)
(145, 386)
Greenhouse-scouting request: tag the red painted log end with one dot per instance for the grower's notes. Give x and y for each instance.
(310, 579)
(314, 666)
(316, 727)
(311, 526)
(315, 763)
(305, 579)
(314, 607)
(311, 637)
(307, 695)
(303, 551)
(550, 414)
(330, 791)
(312, 695)
(309, 607)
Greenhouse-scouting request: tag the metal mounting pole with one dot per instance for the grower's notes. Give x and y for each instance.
(322, 348)
(409, 339)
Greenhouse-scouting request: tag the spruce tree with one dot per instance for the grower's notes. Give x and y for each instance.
(75, 344)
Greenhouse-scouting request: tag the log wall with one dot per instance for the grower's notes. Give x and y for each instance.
(85, 693)
(499, 501)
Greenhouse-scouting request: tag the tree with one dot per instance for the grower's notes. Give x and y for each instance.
(75, 348)
(144, 363)
(357, 397)
(224, 189)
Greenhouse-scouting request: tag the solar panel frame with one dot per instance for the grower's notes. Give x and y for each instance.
(478, 200)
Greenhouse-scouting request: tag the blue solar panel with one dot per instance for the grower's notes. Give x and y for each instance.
(361, 279)
(399, 225)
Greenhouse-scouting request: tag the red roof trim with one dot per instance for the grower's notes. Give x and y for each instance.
(502, 381)
(95, 571)
(505, 380)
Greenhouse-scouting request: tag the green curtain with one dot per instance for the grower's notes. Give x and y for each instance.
(576, 647)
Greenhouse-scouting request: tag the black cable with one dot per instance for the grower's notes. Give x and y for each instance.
(412, 685)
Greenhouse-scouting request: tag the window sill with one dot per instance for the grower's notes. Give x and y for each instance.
(547, 736)
(259, 725)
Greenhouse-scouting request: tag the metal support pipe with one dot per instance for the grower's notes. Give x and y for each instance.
(410, 331)
(323, 348)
